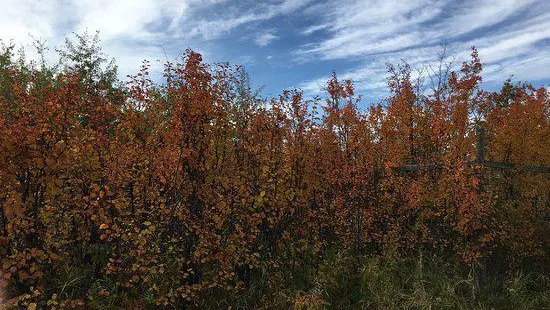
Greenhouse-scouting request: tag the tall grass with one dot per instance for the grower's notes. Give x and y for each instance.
(346, 281)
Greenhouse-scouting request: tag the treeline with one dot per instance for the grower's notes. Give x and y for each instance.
(178, 192)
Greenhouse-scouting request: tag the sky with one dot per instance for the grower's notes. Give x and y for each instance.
(287, 44)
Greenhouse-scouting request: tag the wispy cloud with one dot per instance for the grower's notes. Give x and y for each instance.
(364, 27)
(355, 37)
(211, 28)
(312, 29)
(135, 29)
(506, 33)
(265, 38)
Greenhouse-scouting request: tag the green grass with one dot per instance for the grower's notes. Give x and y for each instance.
(343, 281)
(346, 281)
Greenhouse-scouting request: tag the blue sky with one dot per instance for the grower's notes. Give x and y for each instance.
(297, 43)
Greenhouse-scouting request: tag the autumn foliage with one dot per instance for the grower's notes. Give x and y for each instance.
(174, 190)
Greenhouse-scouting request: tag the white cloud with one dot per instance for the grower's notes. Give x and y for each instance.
(312, 29)
(213, 28)
(21, 18)
(265, 38)
(126, 18)
(132, 30)
(360, 27)
(505, 32)
(364, 27)
(472, 15)
(508, 33)
(120, 23)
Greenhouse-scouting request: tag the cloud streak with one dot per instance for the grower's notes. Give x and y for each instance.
(265, 38)
(355, 37)
(507, 33)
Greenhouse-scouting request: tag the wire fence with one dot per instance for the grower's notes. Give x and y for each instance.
(480, 160)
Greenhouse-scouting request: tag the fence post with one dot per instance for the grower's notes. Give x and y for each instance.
(480, 160)
(480, 144)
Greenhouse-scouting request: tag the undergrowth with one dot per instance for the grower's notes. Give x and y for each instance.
(348, 281)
